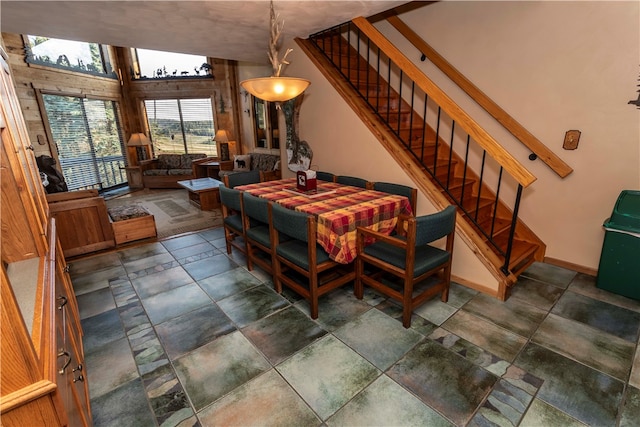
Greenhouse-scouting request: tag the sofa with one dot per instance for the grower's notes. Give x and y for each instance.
(267, 164)
(167, 169)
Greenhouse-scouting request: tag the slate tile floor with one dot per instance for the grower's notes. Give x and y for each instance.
(179, 333)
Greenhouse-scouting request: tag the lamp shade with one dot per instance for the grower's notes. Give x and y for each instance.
(138, 140)
(275, 89)
(221, 136)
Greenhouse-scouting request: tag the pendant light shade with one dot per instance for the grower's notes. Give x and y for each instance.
(275, 89)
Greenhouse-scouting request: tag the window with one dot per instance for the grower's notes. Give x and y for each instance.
(266, 124)
(148, 64)
(181, 126)
(83, 57)
(89, 141)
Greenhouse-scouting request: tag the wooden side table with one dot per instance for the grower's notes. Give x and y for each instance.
(207, 170)
(134, 176)
(203, 192)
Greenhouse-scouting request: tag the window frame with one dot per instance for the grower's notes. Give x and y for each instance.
(105, 57)
(40, 93)
(136, 74)
(185, 143)
(265, 124)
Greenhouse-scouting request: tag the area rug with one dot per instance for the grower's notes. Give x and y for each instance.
(172, 211)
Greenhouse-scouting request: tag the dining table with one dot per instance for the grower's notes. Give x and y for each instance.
(339, 209)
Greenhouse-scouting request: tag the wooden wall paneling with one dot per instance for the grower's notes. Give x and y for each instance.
(29, 78)
(235, 96)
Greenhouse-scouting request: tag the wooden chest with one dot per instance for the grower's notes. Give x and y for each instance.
(131, 223)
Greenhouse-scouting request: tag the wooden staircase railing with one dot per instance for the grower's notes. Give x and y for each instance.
(423, 130)
(540, 150)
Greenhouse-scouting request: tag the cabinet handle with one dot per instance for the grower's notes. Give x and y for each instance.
(67, 268)
(63, 303)
(30, 147)
(80, 378)
(66, 363)
(79, 368)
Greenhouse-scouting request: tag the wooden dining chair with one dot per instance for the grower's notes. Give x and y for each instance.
(325, 176)
(241, 178)
(257, 234)
(409, 258)
(352, 180)
(303, 255)
(399, 189)
(232, 220)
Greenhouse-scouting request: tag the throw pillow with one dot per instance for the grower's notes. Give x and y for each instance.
(241, 163)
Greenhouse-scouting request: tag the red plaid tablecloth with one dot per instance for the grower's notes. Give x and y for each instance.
(339, 211)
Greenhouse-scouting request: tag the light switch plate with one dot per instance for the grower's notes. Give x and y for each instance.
(571, 139)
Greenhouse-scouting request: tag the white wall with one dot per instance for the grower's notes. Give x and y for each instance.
(554, 66)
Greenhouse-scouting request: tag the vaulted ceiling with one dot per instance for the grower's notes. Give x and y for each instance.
(229, 29)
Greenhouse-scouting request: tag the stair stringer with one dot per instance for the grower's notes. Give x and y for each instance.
(389, 141)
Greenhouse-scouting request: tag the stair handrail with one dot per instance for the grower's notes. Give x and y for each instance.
(486, 141)
(536, 146)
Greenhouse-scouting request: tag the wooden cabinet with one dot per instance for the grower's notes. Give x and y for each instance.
(24, 221)
(43, 377)
(44, 381)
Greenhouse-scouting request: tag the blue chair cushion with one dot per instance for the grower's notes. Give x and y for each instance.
(296, 252)
(235, 222)
(260, 234)
(427, 257)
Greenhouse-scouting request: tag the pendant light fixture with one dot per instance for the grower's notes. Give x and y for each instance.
(275, 88)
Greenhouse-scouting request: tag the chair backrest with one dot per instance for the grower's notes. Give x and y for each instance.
(435, 226)
(292, 223)
(242, 178)
(256, 207)
(399, 189)
(325, 176)
(352, 180)
(230, 198)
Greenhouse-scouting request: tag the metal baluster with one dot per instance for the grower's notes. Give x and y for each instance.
(484, 156)
(495, 206)
(514, 221)
(464, 174)
(453, 129)
(435, 152)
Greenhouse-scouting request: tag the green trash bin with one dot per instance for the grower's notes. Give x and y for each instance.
(619, 270)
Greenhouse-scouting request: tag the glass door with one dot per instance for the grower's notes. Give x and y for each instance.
(88, 140)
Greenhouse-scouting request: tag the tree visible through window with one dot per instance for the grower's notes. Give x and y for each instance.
(88, 140)
(77, 56)
(181, 126)
(158, 64)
